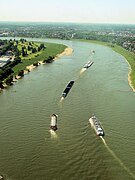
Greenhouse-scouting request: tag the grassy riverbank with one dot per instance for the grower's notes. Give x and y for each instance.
(51, 50)
(28, 61)
(130, 57)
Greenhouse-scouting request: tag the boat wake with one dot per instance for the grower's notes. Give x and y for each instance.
(117, 159)
(62, 98)
(82, 70)
(53, 134)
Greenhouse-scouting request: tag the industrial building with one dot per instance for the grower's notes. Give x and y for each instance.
(4, 60)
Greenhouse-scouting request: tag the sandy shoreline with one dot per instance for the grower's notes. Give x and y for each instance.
(129, 79)
(66, 52)
(129, 75)
(29, 68)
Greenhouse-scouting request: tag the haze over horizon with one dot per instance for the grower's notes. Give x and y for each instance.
(83, 11)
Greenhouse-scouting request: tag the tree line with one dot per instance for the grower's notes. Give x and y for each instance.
(6, 46)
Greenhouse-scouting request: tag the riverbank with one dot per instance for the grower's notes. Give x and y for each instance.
(128, 56)
(30, 62)
(130, 59)
(67, 51)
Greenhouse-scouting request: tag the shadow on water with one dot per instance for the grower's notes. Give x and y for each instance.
(117, 159)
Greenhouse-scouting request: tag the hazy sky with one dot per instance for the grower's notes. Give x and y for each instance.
(91, 11)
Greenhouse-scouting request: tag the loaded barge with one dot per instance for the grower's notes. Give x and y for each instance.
(96, 125)
(88, 64)
(67, 89)
(53, 124)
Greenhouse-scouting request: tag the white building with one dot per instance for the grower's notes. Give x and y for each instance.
(4, 60)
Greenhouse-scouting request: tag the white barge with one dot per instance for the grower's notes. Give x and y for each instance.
(88, 64)
(96, 125)
(53, 124)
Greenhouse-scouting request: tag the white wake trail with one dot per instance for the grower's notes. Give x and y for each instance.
(117, 159)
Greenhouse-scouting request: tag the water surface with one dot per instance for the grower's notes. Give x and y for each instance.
(29, 151)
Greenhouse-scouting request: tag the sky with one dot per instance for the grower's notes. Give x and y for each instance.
(84, 11)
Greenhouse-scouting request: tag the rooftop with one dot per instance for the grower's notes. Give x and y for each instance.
(4, 60)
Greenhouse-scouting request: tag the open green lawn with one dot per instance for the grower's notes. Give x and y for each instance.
(51, 50)
(130, 57)
(30, 54)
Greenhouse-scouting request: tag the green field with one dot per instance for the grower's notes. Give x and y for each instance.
(51, 50)
(30, 54)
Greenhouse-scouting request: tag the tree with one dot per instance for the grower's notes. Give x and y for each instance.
(24, 52)
(35, 64)
(17, 52)
(34, 50)
(21, 73)
(1, 85)
(39, 48)
(30, 44)
(22, 40)
(7, 71)
(50, 59)
(17, 59)
(42, 46)
(9, 80)
(29, 48)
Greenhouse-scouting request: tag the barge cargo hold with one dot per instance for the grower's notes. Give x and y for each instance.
(88, 64)
(53, 124)
(96, 125)
(67, 89)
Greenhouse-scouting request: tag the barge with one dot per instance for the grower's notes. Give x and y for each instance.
(88, 64)
(53, 124)
(96, 125)
(67, 89)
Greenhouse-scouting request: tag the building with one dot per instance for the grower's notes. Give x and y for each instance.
(4, 60)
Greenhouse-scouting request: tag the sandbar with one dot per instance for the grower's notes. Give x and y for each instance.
(66, 52)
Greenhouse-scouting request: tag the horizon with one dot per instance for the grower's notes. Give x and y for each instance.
(59, 22)
(77, 11)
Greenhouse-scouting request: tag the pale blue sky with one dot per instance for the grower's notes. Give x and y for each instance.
(89, 11)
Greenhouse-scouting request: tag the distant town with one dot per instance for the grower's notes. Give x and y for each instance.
(123, 35)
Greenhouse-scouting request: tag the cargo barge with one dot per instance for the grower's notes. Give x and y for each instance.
(96, 125)
(53, 124)
(88, 64)
(67, 89)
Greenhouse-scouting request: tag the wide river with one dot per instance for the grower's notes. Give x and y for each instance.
(29, 151)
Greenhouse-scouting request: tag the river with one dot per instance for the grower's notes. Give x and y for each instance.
(28, 151)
